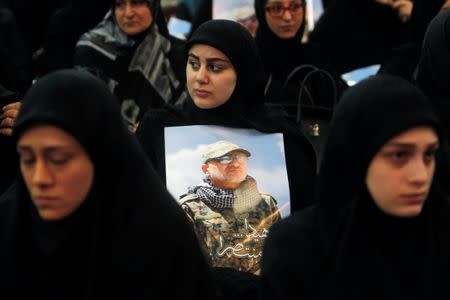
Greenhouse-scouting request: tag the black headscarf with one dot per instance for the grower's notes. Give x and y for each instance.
(129, 239)
(281, 56)
(244, 109)
(222, 35)
(346, 247)
(278, 54)
(433, 72)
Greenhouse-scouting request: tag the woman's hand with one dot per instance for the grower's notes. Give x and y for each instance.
(403, 7)
(8, 118)
(446, 5)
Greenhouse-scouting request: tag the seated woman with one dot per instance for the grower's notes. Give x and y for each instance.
(279, 38)
(226, 89)
(71, 228)
(132, 51)
(380, 229)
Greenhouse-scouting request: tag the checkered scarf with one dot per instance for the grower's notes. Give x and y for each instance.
(241, 199)
(150, 58)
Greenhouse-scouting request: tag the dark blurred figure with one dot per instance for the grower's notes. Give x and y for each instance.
(406, 57)
(15, 62)
(433, 71)
(8, 154)
(50, 29)
(357, 33)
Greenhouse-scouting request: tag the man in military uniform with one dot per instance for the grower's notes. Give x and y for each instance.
(230, 215)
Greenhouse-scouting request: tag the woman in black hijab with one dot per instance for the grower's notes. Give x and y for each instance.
(433, 71)
(131, 49)
(380, 229)
(280, 44)
(243, 109)
(70, 227)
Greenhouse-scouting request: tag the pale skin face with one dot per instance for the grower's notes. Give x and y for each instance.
(399, 176)
(57, 171)
(286, 25)
(211, 78)
(226, 176)
(133, 16)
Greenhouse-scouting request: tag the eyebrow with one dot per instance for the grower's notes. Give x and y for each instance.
(211, 59)
(410, 145)
(48, 149)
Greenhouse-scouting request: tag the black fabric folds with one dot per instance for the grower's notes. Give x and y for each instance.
(8, 160)
(244, 109)
(434, 68)
(129, 239)
(405, 58)
(358, 33)
(422, 14)
(345, 247)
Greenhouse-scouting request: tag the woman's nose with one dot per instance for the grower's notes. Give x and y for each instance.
(42, 175)
(202, 75)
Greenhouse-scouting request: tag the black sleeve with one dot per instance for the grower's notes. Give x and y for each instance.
(289, 258)
(150, 134)
(301, 169)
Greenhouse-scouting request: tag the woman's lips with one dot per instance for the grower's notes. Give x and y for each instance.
(202, 93)
(414, 198)
(43, 200)
(287, 28)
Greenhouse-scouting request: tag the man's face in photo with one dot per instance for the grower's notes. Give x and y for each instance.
(227, 171)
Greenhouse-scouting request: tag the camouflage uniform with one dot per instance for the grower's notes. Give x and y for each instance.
(232, 239)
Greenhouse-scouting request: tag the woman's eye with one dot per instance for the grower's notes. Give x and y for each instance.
(120, 3)
(276, 8)
(26, 161)
(295, 7)
(194, 64)
(430, 155)
(399, 156)
(58, 160)
(215, 68)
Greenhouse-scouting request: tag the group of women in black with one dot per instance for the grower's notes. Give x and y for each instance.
(88, 215)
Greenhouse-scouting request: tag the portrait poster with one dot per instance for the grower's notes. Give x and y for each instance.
(231, 222)
(241, 11)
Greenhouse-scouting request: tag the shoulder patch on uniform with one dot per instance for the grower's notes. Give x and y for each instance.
(208, 216)
(269, 198)
(200, 210)
(188, 197)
